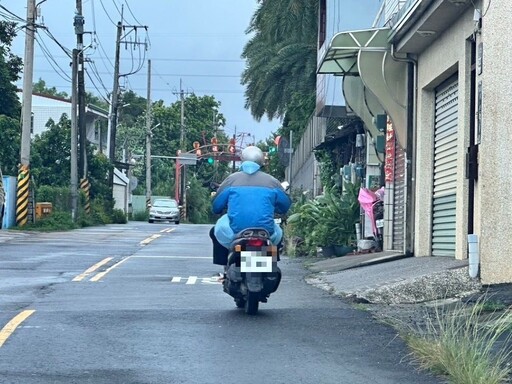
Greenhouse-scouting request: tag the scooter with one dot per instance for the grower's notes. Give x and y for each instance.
(252, 274)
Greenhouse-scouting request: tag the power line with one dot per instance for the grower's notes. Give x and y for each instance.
(161, 75)
(130, 10)
(51, 59)
(106, 12)
(193, 60)
(12, 16)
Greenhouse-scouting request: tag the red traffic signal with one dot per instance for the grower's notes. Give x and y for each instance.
(232, 144)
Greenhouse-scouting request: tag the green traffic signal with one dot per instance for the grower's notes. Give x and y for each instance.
(210, 160)
(272, 150)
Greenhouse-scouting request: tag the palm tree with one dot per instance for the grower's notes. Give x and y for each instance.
(281, 56)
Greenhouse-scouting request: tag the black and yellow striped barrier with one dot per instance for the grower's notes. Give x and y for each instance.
(22, 195)
(86, 187)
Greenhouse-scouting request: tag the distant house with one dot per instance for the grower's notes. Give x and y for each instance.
(45, 107)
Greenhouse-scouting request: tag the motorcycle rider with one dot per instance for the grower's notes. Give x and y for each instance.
(251, 198)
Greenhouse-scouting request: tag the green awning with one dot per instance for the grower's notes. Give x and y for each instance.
(382, 83)
(341, 56)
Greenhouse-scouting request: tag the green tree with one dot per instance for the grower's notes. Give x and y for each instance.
(40, 87)
(281, 56)
(10, 67)
(50, 154)
(10, 132)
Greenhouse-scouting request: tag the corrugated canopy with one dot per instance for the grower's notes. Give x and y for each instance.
(341, 56)
(367, 54)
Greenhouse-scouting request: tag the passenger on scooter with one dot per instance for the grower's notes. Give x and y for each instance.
(251, 198)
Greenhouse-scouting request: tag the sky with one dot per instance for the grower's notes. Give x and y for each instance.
(195, 43)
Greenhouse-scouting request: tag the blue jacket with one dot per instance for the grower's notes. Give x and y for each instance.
(251, 197)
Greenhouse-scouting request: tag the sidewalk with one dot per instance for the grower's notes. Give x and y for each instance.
(392, 278)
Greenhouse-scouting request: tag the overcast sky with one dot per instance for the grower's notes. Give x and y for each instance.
(197, 41)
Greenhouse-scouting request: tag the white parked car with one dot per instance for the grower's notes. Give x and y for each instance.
(164, 210)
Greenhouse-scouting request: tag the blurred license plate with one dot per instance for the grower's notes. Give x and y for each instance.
(253, 261)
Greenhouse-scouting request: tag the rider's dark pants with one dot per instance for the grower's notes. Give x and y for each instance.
(220, 253)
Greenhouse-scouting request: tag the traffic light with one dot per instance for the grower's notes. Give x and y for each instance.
(215, 148)
(231, 147)
(197, 146)
(211, 160)
(272, 150)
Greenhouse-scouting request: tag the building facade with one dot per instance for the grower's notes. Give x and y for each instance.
(445, 67)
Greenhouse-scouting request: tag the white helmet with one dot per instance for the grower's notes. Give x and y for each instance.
(253, 153)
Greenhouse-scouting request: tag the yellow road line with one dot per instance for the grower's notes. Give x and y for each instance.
(149, 239)
(102, 274)
(11, 326)
(88, 271)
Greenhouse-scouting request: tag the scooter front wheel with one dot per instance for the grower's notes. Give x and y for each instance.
(252, 303)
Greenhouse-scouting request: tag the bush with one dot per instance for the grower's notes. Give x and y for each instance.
(141, 216)
(56, 221)
(118, 217)
(60, 197)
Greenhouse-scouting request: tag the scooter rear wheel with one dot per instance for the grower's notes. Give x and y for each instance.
(252, 303)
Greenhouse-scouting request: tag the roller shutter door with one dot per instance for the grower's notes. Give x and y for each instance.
(445, 170)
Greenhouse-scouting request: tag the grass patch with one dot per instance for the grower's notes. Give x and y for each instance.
(491, 306)
(463, 343)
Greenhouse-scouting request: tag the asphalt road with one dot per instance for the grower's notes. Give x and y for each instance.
(139, 304)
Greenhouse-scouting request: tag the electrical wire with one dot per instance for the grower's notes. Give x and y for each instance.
(130, 10)
(106, 12)
(12, 16)
(119, 11)
(95, 72)
(51, 60)
(96, 87)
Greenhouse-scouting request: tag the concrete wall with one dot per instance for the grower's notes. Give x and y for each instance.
(495, 171)
(449, 55)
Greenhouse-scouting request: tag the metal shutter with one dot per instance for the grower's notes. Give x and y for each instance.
(445, 170)
(399, 199)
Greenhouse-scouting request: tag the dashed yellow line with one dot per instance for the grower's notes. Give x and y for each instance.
(102, 274)
(92, 269)
(167, 230)
(150, 239)
(11, 326)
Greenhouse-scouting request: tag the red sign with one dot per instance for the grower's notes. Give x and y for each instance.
(389, 163)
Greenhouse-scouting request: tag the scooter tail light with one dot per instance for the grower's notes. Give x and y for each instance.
(256, 242)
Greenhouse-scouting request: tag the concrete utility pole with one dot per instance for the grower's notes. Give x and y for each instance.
(183, 178)
(182, 146)
(74, 136)
(114, 101)
(28, 73)
(79, 31)
(148, 139)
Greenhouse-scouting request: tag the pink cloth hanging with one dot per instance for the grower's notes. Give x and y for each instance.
(367, 198)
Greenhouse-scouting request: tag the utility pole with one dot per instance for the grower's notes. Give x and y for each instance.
(182, 146)
(183, 178)
(22, 202)
(79, 31)
(114, 101)
(148, 139)
(74, 136)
